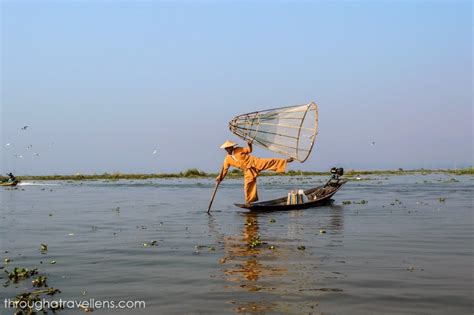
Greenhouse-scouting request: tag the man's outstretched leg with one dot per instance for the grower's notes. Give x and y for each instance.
(276, 165)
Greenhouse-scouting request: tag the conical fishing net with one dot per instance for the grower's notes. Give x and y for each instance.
(290, 130)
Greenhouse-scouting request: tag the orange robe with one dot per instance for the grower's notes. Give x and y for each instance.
(251, 166)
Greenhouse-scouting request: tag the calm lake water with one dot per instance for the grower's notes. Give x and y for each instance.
(404, 252)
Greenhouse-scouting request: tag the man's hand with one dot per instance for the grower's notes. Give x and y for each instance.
(218, 179)
(249, 143)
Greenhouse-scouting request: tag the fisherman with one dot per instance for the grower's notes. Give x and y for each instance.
(11, 178)
(251, 166)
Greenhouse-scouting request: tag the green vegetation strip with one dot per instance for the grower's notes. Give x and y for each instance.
(196, 173)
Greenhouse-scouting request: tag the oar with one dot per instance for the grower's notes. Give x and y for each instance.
(213, 195)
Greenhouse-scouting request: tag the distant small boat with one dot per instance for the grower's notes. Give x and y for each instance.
(316, 197)
(9, 183)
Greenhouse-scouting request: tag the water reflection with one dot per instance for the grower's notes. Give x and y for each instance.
(271, 266)
(336, 219)
(246, 265)
(242, 256)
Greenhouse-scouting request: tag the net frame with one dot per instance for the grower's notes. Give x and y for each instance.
(247, 127)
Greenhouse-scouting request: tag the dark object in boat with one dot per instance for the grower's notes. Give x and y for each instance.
(316, 197)
(337, 172)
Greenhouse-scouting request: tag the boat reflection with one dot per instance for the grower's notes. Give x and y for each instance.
(336, 220)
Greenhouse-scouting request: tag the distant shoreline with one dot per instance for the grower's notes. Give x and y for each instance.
(195, 173)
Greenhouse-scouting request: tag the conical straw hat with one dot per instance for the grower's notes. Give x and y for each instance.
(228, 144)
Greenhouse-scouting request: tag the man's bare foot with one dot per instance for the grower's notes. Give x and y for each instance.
(289, 160)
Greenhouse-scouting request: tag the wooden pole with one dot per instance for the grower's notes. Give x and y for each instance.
(212, 197)
(214, 192)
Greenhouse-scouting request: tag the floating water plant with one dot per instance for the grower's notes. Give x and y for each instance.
(40, 282)
(18, 274)
(198, 247)
(153, 243)
(348, 202)
(24, 302)
(43, 248)
(255, 242)
(86, 309)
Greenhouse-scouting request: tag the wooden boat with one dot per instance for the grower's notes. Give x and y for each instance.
(8, 183)
(316, 197)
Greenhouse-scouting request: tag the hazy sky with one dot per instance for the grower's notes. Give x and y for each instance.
(103, 84)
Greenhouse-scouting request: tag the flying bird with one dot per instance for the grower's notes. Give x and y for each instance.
(24, 127)
(154, 152)
(8, 144)
(372, 143)
(36, 154)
